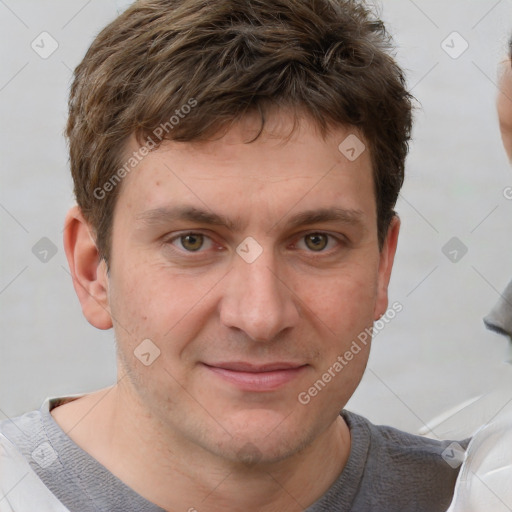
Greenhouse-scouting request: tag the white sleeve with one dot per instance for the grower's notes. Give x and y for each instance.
(21, 490)
(484, 481)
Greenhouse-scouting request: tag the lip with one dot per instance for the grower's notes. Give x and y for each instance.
(257, 377)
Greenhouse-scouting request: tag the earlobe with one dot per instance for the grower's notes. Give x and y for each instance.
(88, 270)
(387, 257)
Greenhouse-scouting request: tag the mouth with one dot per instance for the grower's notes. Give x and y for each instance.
(256, 377)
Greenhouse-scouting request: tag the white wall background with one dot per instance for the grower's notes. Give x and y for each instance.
(436, 352)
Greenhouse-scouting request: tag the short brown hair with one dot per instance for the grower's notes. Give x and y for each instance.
(328, 59)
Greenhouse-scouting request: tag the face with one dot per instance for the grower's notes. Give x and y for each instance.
(252, 268)
(504, 104)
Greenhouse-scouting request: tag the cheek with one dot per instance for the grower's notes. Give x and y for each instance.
(156, 302)
(131, 301)
(343, 302)
(342, 310)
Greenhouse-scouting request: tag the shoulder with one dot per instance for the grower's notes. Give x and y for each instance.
(20, 447)
(395, 441)
(409, 471)
(25, 431)
(26, 434)
(29, 430)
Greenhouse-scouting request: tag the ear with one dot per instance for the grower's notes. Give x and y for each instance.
(386, 259)
(88, 270)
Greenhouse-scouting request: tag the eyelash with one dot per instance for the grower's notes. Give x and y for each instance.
(338, 240)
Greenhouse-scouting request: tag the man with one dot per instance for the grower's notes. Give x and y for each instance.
(236, 165)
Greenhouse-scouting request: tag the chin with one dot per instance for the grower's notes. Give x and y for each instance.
(247, 452)
(262, 437)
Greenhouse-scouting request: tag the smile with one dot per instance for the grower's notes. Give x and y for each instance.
(257, 378)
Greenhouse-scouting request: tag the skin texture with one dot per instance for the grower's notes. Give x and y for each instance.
(176, 431)
(504, 105)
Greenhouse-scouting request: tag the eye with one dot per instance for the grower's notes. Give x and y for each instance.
(192, 242)
(317, 242)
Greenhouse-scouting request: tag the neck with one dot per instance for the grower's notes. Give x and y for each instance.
(176, 474)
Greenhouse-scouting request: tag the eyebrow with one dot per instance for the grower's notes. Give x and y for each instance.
(164, 215)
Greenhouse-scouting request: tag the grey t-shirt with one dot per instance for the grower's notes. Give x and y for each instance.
(387, 470)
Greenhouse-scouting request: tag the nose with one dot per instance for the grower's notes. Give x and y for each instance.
(257, 299)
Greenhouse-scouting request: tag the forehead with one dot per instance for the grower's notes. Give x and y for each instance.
(279, 171)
